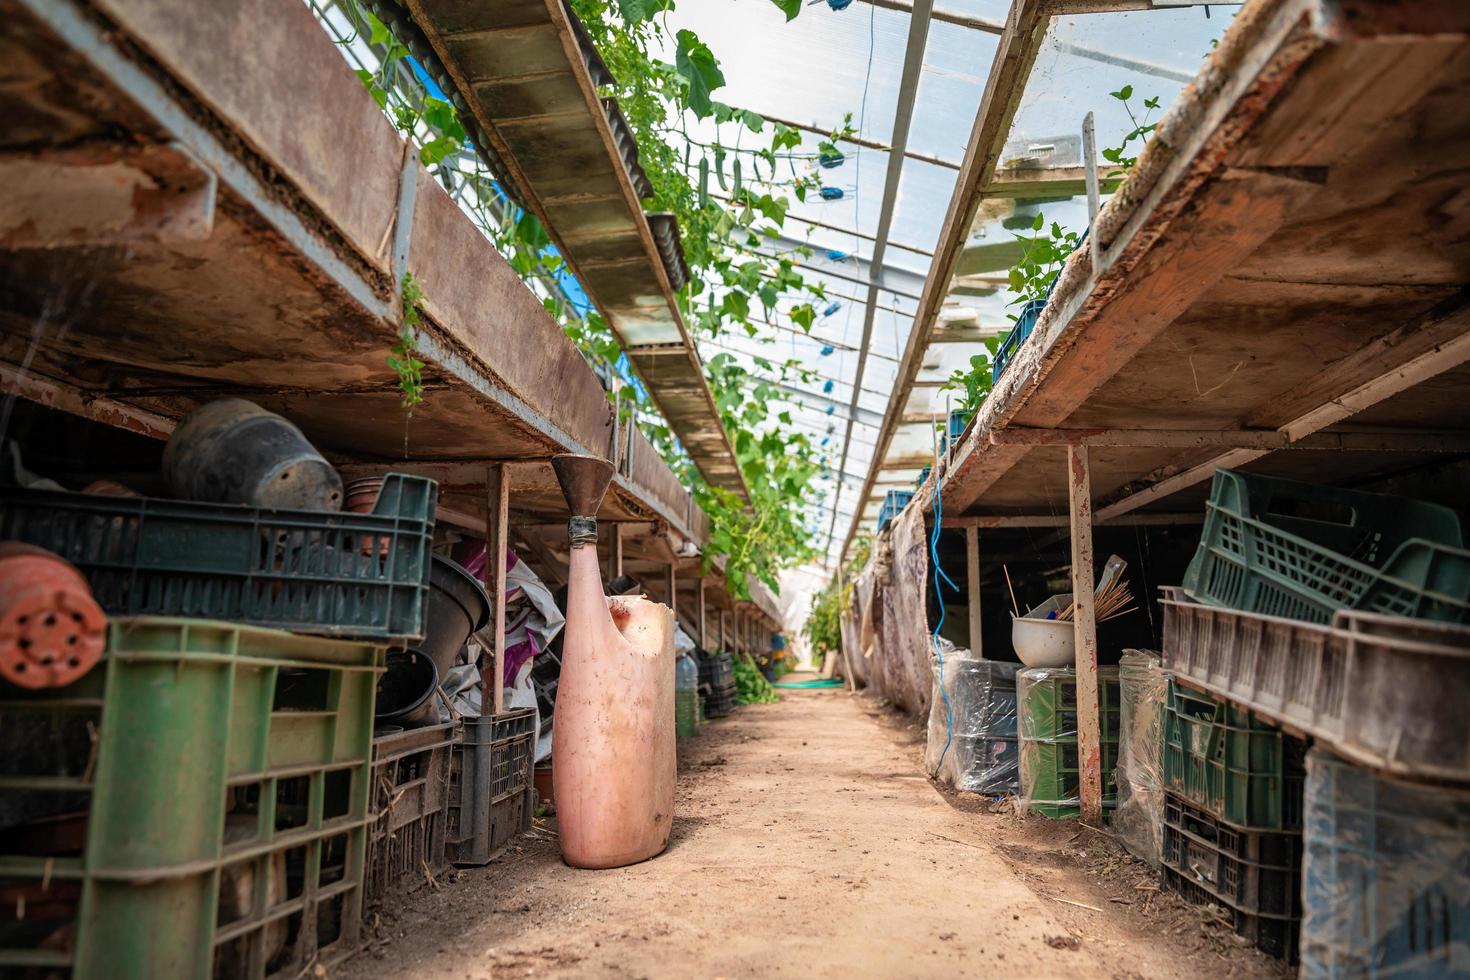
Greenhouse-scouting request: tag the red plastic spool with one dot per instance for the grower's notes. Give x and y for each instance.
(52, 632)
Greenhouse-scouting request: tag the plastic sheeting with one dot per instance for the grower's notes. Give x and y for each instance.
(903, 646)
(1046, 725)
(1138, 819)
(972, 745)
(1385, 875)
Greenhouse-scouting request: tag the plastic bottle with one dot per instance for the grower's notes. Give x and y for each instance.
(686, 698)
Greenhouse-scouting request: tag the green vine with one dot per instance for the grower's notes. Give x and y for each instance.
(1045, 251)
(823, 627)
(410, 369)
(731, 196)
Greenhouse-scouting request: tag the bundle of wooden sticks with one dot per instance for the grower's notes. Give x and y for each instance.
(1111, 598)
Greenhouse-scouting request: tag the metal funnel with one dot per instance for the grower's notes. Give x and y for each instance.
(583, 480)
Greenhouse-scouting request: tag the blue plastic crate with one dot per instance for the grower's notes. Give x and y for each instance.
(893, 505)
(1385, 876)
(957, 422)
(1025, 323)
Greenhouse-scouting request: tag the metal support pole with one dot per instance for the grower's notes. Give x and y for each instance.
(972, 571)
(497, 517)
(1089, 163)
(1084, 631)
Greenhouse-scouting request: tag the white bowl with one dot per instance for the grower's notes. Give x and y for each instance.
(1042, 642)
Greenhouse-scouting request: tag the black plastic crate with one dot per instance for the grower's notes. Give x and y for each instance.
(1275, 937)
(332, 573)
(491, 798)
(1256, 874)
(410, 809)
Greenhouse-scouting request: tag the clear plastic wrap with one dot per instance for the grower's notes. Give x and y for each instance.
(1385, 875)
(1138, 818)
(981, 755)
(1050, 768)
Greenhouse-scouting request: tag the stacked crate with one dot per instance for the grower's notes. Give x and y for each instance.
(1338, 614)
(1047, 725)
(717, 684)
(200, 803)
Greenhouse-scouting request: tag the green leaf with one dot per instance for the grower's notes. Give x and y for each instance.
(804, 316)
(1039, 223)
(696, 64)
(380, 35)
(736, 304)
(754, 121)
(635, 12)
(788, 7)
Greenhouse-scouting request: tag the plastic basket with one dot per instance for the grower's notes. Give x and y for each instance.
(410, 810)
(1303, 552)
(1386, 876)
(1256, 876)
(1050, 695)
(199, 802)
(330, 573)
(1256, 871)
(1012, 341)
(893, 504)
(490, 790)
(1386, 691)
(1051, 778)
(1236, 766)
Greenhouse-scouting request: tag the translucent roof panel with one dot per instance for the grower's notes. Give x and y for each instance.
(812, 73)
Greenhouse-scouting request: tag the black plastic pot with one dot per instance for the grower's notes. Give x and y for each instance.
(406, 690)
(456, 608)
(233, 451)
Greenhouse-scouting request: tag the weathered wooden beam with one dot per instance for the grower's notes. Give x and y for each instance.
(68, 398)
(1084, 633)
(993, 521)
(972, 585)
(1356, 441)
(104, 193)
(497, 515)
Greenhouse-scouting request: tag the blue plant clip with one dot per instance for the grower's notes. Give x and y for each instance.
(832, 307)
(831, 193)
(827, 349)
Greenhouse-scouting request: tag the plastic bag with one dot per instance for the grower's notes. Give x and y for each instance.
(1385, 875)
(1138, 819)
(972, 739)
(1046, 722)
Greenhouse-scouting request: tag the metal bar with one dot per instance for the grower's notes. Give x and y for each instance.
(497, 515)
(1089, 162)
(857, 140)
(992, 521)
(1084, 633)
(1024, 31)
(908, 87)
(972, 583)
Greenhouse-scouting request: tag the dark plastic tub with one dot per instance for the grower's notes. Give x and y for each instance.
(406, 690)
(457, 609)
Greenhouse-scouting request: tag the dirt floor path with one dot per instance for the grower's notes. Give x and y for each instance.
(808, 843)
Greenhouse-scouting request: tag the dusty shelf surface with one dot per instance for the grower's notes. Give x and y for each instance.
(808, 842)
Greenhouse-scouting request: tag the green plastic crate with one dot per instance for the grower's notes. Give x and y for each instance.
(1049, 702)
(1051, 777)
(199, 799)
(1229, 762)
(332, 573)
(1283, 548)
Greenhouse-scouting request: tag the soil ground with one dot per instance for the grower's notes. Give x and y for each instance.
(808, 842)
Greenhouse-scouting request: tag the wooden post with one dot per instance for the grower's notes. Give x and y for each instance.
(725, 630)
(699, 626)
(1084, 631)
(615, 552)
(972, 570)
(673, 584)
(497, 517)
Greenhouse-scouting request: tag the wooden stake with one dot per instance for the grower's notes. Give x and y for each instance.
(1015, 608)
(497, 519)
(1084, 627)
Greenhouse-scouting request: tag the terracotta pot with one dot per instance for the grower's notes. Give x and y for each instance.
(52, 632)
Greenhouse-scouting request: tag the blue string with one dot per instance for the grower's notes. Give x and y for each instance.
(939, 574)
